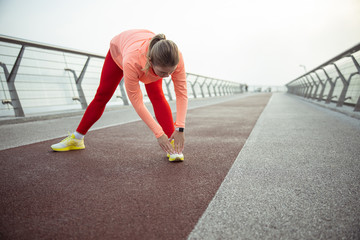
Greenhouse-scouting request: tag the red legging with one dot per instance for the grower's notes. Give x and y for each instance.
(111, 76)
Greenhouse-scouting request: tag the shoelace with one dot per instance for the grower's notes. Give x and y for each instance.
(67, 138)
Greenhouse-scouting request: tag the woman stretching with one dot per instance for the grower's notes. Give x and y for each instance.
(140, 56)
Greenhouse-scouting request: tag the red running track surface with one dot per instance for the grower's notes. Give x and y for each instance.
(122, 185)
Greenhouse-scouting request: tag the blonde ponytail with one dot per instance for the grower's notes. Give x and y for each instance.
(156, 39)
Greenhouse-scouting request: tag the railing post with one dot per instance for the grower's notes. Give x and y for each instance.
(193, 86)
(301, 87)
(219, 88)
(10, 80)
(230, 88)
(6, 72)
(168, 89)
(356, 64)
(332, 86)
(78, 81)
(345, 88)
(357, 106)
(201, 88)
(231, 91)
(310, 87)
(306, 87)
(79, 86)
(332, 90)
(208, 87)
(322, 87)
(226, 89)
(214, 87)
(297, 87)
(316, 87)
(222, 88)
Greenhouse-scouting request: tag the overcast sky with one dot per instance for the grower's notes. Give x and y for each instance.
(258, 42)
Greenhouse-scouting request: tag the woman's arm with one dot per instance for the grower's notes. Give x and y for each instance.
(136, 98)
(179, 79)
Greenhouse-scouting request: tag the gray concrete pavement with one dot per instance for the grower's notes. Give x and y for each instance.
(297, 177)
(347, 110)
(37, 128)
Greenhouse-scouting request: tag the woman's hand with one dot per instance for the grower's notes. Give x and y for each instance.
(179, 141)
(165, 144)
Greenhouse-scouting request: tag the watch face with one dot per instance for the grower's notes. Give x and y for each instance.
(179, 129)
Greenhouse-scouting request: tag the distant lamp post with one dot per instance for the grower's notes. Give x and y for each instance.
(303, 66)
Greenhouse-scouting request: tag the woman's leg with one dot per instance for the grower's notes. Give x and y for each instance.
(111, 76)
(161, 107)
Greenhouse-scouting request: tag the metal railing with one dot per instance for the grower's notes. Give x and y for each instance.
(337, 80)
(38, 77)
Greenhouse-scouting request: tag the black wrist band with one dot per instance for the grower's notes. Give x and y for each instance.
(180, 129)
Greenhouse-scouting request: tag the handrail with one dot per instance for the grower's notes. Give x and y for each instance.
(76, 70)
(334, 59)
(307, 85)
(29, 43)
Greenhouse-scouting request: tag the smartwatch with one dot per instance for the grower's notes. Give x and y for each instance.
(179, 129)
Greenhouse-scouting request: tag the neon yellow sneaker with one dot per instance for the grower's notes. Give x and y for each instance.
(172, 144)
(69, 143)
(175, 157)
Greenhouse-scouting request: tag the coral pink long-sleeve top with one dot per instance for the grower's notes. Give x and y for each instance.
(128, 50)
